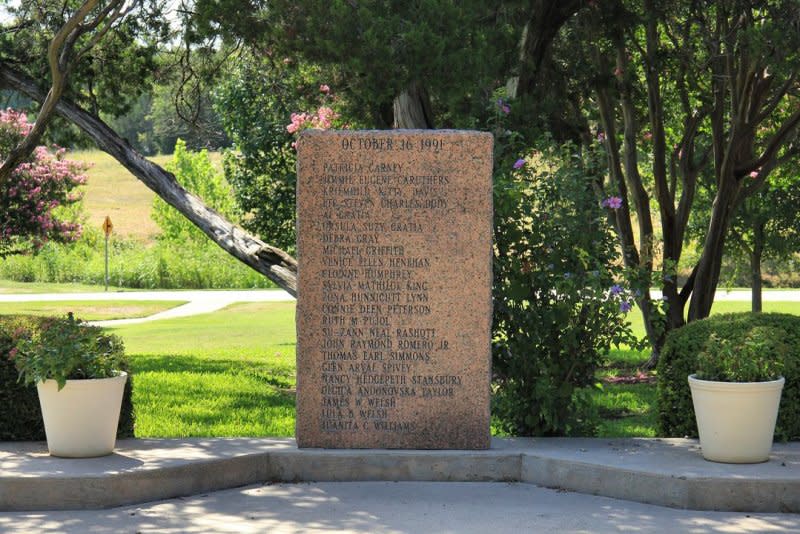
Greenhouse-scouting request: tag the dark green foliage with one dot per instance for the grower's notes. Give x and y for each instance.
(136, 127)
(377, 49)
(679, 360)
(108, 79)
(557, 310)
(21, 416)
(255, 107)
(256, 104)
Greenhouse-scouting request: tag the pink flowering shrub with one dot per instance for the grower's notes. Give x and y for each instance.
(324, 118)
(33, 199)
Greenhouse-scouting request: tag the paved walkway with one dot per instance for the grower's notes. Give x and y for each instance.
(198, 301)
(395, 507)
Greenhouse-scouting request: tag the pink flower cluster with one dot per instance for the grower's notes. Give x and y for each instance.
(298, 122)
(15, 121)
(322, 119)
(29, 201)
(614, 203)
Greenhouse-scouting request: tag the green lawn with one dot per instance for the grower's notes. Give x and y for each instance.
(625, 402)
(91, 310)
(230, 373)
(628, 409)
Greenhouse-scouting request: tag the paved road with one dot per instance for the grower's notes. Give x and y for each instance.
(396, 507)
(198, 301)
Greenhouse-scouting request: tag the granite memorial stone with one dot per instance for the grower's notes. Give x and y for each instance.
(394, 309)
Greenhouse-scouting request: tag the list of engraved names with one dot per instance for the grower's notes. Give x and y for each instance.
(382, 345)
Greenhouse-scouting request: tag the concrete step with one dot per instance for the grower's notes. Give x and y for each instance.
(667, 472)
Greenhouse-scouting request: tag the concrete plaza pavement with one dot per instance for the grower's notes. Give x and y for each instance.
(396, 507)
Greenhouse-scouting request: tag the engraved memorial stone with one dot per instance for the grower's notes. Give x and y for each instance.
(394, 307)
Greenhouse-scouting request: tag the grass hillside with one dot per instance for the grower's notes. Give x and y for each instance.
(112, 190)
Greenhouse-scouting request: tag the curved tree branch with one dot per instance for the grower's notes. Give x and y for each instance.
(61, 61)
(272, 262)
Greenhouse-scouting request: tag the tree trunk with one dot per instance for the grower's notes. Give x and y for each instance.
(272, 262)
(755, 271)
(412, 109)
(654, 335)
(756, 282)
(708, 267)
(546, 19)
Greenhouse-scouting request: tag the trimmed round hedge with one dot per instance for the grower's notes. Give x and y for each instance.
(21, 415)
(677, 361)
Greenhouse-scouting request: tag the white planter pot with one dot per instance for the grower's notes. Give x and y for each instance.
(81, 420)
(736, 420)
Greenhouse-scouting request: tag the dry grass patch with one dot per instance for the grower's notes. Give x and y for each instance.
(113, 191)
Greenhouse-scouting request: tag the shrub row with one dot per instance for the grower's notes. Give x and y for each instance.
(163, 265)
(21, 416)
(678, 360)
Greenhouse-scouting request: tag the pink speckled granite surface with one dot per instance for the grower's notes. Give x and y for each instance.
(394, 306)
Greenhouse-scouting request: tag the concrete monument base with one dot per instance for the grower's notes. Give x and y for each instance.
(667, 472)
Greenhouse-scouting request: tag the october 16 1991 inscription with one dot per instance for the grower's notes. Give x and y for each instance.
(394, 308)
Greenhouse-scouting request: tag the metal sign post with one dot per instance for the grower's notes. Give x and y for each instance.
(107, 228)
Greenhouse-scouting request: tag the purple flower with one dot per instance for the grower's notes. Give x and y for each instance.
(503, 105)
(601, 137)
(625, 306)
(616, 289)
(519, 163)
(614, 203)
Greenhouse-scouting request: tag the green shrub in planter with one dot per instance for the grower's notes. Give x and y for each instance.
(21, 419)
(758, 357)
(729, 347)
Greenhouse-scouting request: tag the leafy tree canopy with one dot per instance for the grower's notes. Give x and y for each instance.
(374, 50)
(112, 73)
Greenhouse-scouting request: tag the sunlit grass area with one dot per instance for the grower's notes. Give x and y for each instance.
(723, 306)
(229, 373)
(626, 402)
(232, 372)
(113, 191)
(626, 410)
